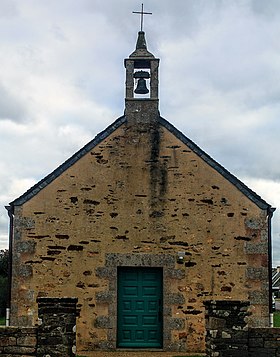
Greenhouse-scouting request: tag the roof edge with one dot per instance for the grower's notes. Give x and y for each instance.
(253, 196)
(68, 163)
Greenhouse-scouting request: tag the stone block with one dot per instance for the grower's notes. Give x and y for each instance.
(226, 334)
(174, 299)
(107, 345)
(103, 322)
(7, 340)
(25, 247)
(27, 340)
(257, 273)
(258, 297)
(254, 223)
(256, 248)
(175, 273)
(20, 350)
(179, 346)
(215, 323)
(24, 222)
(25, 271)
(176, 323)
(105, 296)
(106, 272)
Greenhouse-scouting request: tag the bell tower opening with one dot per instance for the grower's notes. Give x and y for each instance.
(141, 72)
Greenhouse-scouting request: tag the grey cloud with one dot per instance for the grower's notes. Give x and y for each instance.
(266, 8)
(8, 8)
(11, 108)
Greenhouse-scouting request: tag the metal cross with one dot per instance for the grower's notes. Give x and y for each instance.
(142, 13)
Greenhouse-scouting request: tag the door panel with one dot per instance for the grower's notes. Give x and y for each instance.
(140, 307)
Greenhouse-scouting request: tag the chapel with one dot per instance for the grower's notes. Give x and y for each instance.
(142, 227)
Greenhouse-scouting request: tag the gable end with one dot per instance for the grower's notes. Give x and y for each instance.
(215, 165)
(109, 130)
(68, 163)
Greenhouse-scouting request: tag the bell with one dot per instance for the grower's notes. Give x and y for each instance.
(141, 87)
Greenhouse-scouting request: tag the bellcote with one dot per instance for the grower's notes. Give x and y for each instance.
(141, 73)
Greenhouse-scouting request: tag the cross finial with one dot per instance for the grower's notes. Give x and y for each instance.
(142, 13)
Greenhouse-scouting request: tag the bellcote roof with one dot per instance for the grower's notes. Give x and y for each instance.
(141, 47)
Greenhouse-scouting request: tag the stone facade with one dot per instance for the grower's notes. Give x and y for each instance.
(140, 194)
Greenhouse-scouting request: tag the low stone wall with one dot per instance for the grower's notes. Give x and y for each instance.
(228, 335)
(15, 341)
(55, 336)
(264, 342)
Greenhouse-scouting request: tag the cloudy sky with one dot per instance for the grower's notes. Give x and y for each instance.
(62, 82)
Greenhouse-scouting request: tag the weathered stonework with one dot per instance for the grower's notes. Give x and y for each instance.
(228, 333)
(137, 197)
(227, 328)
(57, 329)
(55, 335)
(18, 341)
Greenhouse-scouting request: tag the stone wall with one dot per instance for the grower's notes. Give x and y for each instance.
(228, 334)
(264, 342)
(18, 341)
(55, 336)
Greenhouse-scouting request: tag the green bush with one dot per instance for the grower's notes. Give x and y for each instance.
(4, 259)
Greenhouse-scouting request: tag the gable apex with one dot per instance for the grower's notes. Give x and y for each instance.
(253, 196)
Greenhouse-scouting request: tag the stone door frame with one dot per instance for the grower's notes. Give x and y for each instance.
(109, 272)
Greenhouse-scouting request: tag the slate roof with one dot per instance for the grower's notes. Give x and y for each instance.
(109, 130)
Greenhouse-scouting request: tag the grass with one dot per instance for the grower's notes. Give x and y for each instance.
(2, 320)
(276, 319)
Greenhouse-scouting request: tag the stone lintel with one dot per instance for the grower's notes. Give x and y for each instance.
(140, 260)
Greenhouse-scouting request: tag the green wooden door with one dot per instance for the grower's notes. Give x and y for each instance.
(140, 307)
